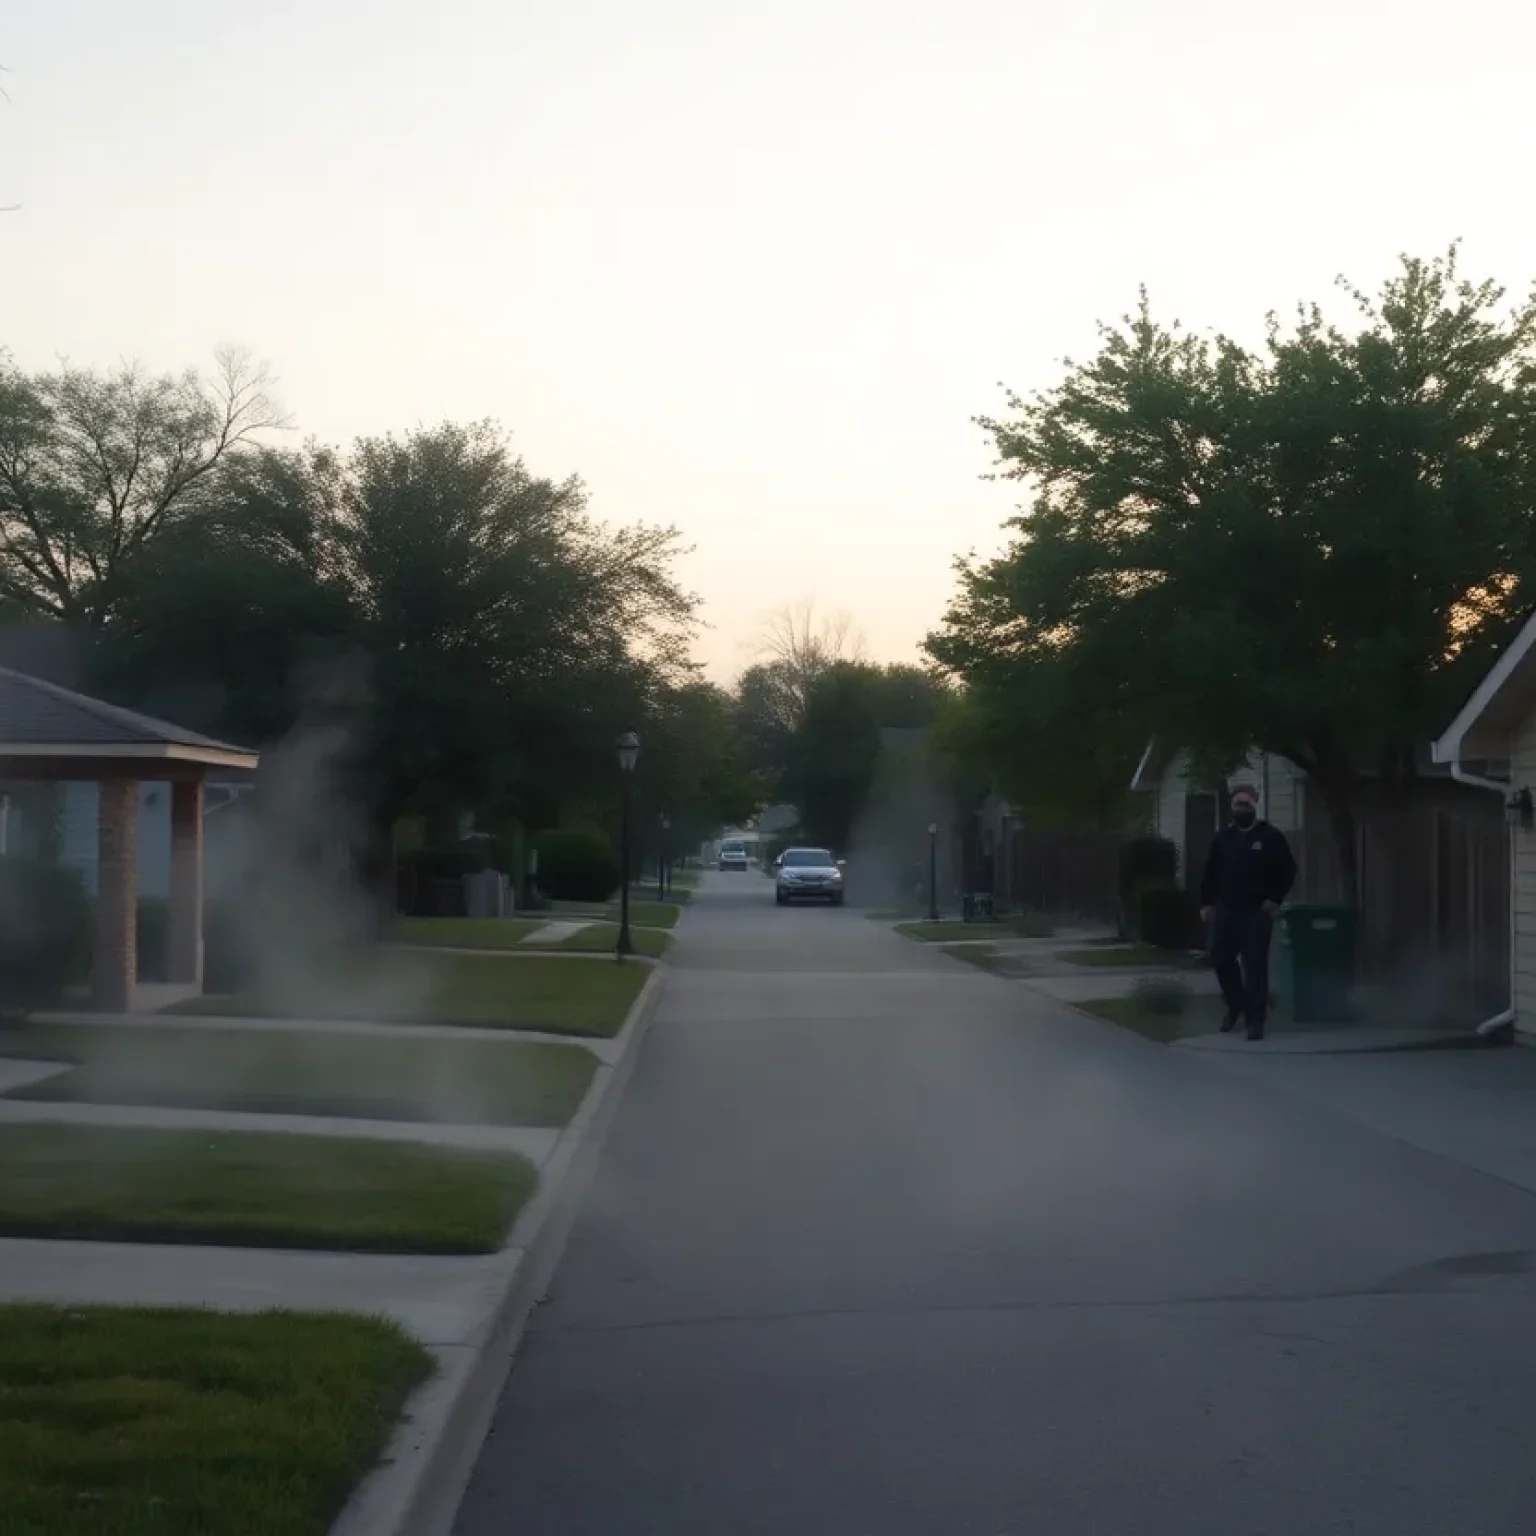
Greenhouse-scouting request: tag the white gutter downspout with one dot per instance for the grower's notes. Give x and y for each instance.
(1504, 1020)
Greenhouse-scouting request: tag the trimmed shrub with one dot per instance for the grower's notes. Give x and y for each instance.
(576, 865)
(1163, 996)
(1148, 861)
(1170, 918)
(45, 934)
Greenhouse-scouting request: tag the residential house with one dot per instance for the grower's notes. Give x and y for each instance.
(1188, 811)
(1491, 747)
(1432, 865)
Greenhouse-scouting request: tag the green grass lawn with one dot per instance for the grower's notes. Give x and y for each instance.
(309, 1072)
(1139, 955)
(513, 934)
(678, 893)
(642, 914)
(1202, 1015)
(139, 1422)
(252, 1190)
(649, 914)
(467, 932)
(982, 956)
(1028, 927)
(388, 985)
(601, 938)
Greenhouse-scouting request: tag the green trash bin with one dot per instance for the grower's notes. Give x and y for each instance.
(1316, 969)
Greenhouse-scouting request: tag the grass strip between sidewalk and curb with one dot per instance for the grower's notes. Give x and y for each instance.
(1002, 928)
(466, 932)
(152, 1422)
(1200, 1018)
(1132, 956)
(601, 938)
(642, 914)
(421, 1481)
(366, 1075)
(678, 892)
(387, 985)
(105, 1184)
(983, 956)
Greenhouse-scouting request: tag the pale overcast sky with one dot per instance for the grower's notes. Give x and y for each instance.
(748, 268)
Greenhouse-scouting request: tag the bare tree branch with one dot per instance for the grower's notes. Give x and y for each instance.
(93, 465)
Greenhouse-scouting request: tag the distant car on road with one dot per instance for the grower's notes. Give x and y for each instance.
(733, 856)
(808, 874)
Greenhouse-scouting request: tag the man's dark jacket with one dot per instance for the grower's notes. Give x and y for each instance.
(1246, 867)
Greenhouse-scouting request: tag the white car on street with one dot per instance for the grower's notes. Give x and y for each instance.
(733, 856)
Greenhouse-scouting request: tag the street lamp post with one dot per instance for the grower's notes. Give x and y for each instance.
(933, 871)
(629, 751)
(662, 828)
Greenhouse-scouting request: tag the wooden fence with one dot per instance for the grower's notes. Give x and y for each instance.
(1070, 873)
(1434, 894)
(1434, 900)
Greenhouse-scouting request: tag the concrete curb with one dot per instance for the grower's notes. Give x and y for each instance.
(418, 1486)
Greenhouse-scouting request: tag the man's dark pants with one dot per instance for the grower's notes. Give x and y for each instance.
(1240, 957)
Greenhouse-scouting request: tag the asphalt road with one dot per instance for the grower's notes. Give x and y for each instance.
(884, 1246)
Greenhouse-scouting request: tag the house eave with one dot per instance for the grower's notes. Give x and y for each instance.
(132, 752)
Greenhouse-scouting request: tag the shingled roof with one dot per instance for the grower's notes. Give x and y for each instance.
(42, 719)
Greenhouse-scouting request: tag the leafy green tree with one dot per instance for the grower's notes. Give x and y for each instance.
(1063, 763)
(692, 766)
(834, 756)
(1305, 548)
(96, 466)
(480, 637)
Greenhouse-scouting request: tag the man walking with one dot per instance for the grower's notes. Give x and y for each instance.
(1249, 871)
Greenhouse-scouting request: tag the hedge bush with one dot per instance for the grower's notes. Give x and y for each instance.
(45, 934)
(1146, 861)
(576, 865)
(1170, 918)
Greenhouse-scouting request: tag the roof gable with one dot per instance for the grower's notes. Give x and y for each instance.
(1505, 696)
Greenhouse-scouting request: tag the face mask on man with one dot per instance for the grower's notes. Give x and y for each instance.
(1244, 814)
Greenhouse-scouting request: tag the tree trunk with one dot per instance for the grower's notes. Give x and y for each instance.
(1342, 821)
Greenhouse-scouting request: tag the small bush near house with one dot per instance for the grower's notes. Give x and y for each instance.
(1146, 861)
(1162, 996)
(1170, 918)
(45, 934)
(576, 865)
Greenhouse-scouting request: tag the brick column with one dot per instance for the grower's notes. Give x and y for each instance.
(116, 967)
(186, 915)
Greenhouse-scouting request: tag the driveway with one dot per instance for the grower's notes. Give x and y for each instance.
(882, 1245)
